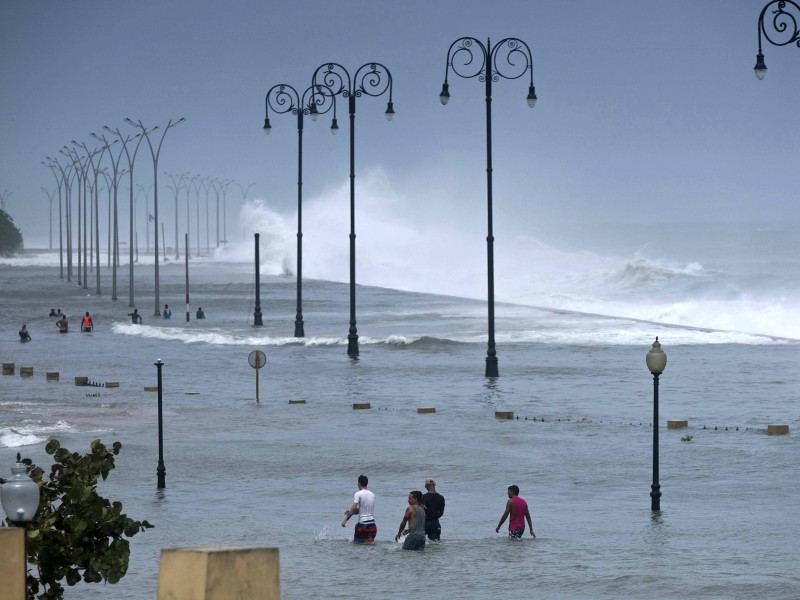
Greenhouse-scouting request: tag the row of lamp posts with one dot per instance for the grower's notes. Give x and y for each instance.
(76, 169)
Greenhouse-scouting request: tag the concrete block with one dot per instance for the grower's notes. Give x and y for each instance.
(51, 376)
(26, 371)
(8, 368)
(504, 414)
(297, 401)
(360, 405)
(112, 384)
(677, 423)
(13, 562)
(777, 429)
(426, 411)
(81, 381)
(221, 573)
(153, 388)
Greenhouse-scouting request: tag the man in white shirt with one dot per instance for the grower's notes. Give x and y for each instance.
(363, 506)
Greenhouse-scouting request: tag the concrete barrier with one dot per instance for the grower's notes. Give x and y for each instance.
(51, 376)
(504, 414)
(13, 562)
(8, 368)
(361, 405)
(297, 401)
(426, 411)
(153, 388)
(777, 429)
(219, 574)
(112, 384)
(26, 371)
(81, 381)
(677, 423)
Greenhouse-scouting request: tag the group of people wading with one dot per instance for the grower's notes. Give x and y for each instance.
(421, 518)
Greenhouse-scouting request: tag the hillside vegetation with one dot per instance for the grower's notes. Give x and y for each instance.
(10, 237)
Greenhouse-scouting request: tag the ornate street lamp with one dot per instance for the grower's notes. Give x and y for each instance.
(283, 98)
(370, 79)
(155, 153)
(656, 361)
(509, 59)
(783, 27)
(20, 495)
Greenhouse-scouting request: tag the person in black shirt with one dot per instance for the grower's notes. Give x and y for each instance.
(433, 502)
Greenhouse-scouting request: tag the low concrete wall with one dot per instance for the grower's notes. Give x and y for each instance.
(220, 573)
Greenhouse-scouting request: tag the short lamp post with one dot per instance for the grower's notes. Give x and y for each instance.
(656, 362)
(20, 495)
(779, 30)
(161, 470)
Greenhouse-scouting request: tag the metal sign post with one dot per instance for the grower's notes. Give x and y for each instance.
(257, 360)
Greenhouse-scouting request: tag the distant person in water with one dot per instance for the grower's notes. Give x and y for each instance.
(87, 324)
(62, 324)
(136, 318)
(58, 313)
(415, 517)
(52, 313)
(518, 509)
(200, 313)
(167, 312)
(24, 336)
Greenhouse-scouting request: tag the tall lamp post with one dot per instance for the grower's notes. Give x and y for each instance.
(370, 79)
(782, 30)
(155, 153)
(656, 361)
(509, 59)
(283, 98)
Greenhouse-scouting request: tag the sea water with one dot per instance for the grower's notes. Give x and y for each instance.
(270, 473)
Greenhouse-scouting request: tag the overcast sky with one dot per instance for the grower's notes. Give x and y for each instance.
(648, 111)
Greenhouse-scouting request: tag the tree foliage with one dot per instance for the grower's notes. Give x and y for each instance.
(10, 236)
(76, 533)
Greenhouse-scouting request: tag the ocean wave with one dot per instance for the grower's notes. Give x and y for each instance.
(11, 438)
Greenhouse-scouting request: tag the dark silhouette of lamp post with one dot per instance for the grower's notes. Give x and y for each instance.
(468, 58)
(656, 362)
(257, 322)
(370, 79)
(780, 30)
(283, 98)
(155, 153)
(161, 470)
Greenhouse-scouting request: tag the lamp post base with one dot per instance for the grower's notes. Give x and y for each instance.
(491, 367)
(655, 497)
(299, 331)
(352, 345)
(161, 473)
(257, 322)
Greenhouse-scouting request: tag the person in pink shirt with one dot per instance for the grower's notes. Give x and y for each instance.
(518, 509)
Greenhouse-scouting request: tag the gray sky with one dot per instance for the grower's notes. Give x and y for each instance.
(648, 111)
